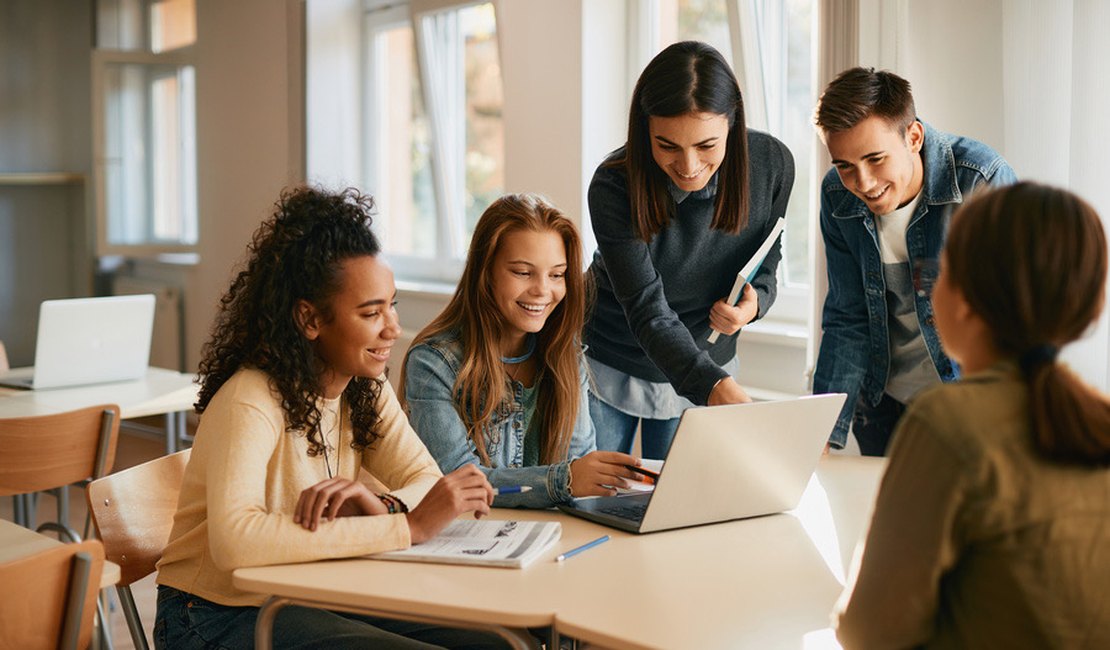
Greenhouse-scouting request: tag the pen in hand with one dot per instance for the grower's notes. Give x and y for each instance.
(588, 545)
(647, 473)
(512, 489)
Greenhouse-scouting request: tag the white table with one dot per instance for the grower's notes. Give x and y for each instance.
(160, 392)
(757, 583)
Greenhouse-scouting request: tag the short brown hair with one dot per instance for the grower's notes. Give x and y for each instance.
(1042, 289)
(858, 93)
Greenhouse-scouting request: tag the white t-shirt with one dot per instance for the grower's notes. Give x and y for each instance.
(911, 367)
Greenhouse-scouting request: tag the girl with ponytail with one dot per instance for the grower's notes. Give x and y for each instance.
(992, 525)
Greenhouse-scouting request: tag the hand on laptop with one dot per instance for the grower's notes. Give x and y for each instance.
(600, 473)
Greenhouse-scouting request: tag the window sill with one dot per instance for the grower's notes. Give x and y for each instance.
(425, 289)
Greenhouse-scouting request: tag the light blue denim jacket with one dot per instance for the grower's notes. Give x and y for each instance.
(430, 377)
(855, 348)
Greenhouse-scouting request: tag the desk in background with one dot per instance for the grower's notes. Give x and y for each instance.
(755, 583)
(160, 392)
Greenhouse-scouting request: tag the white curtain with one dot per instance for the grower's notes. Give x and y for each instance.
(440, 52)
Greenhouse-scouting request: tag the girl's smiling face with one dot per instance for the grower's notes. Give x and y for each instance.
(528, 279)
(354, 335)
(689, 148)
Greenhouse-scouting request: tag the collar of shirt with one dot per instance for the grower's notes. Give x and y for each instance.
(709, 191)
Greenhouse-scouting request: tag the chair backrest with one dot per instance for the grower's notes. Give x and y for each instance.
(3, 357)
(43, 452)
(133, 512)
(49, 598)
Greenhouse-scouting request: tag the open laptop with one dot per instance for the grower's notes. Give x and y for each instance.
(88, 341)
(726, 462)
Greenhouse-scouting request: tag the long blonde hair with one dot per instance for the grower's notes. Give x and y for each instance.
(481, 386)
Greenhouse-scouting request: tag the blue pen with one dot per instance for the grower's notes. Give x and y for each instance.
(575, 551)
(512, 489)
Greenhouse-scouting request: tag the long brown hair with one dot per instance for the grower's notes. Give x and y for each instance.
(481, 386)
(1031, 262)
(686, 77)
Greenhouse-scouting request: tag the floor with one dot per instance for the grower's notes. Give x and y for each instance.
(131, 450)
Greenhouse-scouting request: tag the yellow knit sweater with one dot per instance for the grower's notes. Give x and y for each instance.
(246, 473)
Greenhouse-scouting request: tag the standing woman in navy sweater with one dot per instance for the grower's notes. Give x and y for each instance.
(677, 212)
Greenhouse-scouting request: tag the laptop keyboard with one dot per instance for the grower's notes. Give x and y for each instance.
(633, 511)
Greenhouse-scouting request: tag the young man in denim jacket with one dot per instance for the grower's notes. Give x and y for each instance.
(885, 207)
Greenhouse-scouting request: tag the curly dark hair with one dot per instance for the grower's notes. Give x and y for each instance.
(296, 254)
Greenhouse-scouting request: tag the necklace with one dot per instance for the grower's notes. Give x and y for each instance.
(530, 343)
(336, 420)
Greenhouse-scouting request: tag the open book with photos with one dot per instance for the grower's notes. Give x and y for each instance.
(510, 544)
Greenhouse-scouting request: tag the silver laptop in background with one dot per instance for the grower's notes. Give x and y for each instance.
(727, 462)
(88, 341)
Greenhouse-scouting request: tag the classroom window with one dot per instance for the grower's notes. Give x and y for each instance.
(776, 68)
(144, 126)
(433, 156)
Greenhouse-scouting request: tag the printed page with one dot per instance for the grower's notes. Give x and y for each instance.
(489, 543)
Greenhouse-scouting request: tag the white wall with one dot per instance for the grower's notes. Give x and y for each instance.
(1024, 76)
(249, 125)
(541, 67)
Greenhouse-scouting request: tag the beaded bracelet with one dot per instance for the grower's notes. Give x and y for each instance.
(390, 506)
(393, 504)
(570, 480)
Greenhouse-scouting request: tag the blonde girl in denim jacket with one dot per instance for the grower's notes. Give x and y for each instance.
(498, 379)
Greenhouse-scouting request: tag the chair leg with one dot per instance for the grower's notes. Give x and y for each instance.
(105, 623)
(131, 615)
(30, 508)
(61, 494)
(19, 514)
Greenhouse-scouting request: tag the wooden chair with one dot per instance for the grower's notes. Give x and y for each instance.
(44, 452)
(133, 513)
(49, 598)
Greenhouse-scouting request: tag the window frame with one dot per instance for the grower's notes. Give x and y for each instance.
(101, 60)
(443, 100)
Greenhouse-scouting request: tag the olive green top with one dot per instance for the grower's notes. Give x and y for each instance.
(977, 541)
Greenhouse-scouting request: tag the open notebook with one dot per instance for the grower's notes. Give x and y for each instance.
(511, 544)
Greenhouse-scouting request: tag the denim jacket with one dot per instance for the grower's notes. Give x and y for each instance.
(855, 348)
(430, 377)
